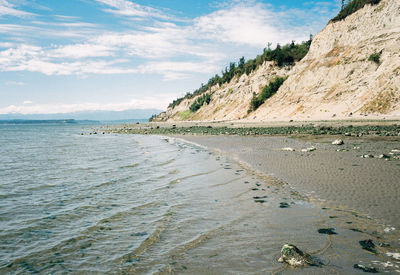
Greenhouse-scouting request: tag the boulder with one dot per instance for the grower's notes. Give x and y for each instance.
(338, 142)
(309, 149)
(293, 256)
(368, 245)
(366, 268)
(290, 149)
(367, 156)
(328, 231)
(382, 156)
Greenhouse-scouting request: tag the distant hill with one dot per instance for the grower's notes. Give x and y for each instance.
(31, 121)
(127, 115)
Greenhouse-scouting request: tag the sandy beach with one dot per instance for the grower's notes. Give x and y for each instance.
(334, 176)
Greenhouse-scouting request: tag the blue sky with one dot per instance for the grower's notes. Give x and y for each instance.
(73, 55)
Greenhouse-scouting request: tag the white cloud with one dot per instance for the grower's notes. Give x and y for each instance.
(176, 70)
(128, 8)
(6, 8)
(252, 24)
(65, 17)
(172, 50)
(27, 102)
(78, 51)
(6, 45)
(14, 83)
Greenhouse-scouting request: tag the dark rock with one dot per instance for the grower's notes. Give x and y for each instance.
(260, 201)
(293, 256)
(368, 245)
(257, 197)
(384, 245)
(366, 268)
(140, 234)
(284, 205)
(328, 231)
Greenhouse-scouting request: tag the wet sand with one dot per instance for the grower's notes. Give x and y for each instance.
(336, 179)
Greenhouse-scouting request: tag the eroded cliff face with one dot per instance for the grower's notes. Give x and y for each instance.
(335, 80)
(230, 101)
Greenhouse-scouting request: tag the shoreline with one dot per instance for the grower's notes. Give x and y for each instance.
(361, 175)
(333, 176)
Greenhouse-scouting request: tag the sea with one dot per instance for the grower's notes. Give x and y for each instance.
(72, 201)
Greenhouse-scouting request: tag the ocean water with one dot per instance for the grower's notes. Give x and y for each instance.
(130, 204)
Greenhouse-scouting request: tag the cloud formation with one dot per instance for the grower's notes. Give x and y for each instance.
(6, 8)
(196, 44)
(141, 40)
(131, 9)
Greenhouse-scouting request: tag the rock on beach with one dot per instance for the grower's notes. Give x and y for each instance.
(293, 256)
(338, 142)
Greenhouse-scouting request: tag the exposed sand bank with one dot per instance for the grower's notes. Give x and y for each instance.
(343, 179)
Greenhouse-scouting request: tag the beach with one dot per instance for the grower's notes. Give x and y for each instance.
(344, 177)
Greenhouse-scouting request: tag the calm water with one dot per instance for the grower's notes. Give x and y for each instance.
(125, 204)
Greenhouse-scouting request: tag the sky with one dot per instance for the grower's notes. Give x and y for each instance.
(61, 56)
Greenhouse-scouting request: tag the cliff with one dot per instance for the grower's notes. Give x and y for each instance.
(352, 70)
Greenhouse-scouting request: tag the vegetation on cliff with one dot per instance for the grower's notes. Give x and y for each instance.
(375, 57)
(206, 98)
(351, 7)
(266, 93)
(282, 55)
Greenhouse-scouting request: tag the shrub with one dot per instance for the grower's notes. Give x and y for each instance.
(153, 117)
(352, 7)
(199, 102)
(375, 57)
(266, 93)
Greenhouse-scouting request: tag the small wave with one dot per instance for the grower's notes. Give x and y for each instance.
(148, 242)
(178, 180)
(130, 165)
(167, 162)
(176, 171)
(41, 187)
(228, 182)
